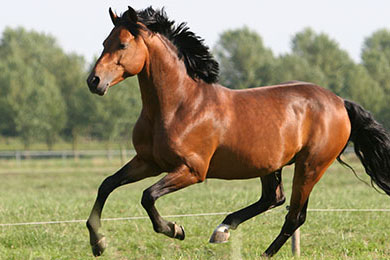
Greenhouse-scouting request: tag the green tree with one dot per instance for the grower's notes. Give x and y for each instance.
(35, 105)
(43, 94)
(376, 59)
(71, 78)
(364, 90)
(293, 67)
(325, 54)
(35, 108)
(7, 123)
(244, 60)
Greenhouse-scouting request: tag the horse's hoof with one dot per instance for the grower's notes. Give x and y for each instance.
(265, 255)
(178, 232)
(99, 247)
(220, 235)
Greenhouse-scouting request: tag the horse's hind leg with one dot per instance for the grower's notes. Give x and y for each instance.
(307, 174)
(272, 196)
(133, 171)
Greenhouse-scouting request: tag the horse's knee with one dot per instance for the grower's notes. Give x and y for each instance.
(289, 227)
(301, 218)
(292, 223)
(147, 199)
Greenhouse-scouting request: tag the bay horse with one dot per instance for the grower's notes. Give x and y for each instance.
(192, 128)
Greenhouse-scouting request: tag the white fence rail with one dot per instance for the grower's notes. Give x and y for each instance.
(64, 154)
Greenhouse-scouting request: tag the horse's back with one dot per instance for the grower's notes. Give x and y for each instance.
(270, 125)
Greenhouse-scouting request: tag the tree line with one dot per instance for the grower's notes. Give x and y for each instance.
(245, 63)
(44, 97)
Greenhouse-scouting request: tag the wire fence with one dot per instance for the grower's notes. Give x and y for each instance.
(174, 216)
(295, 239)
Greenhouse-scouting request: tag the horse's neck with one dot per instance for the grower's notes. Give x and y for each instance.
(164, 81)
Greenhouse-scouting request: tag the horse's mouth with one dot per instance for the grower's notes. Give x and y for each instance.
(102, 90)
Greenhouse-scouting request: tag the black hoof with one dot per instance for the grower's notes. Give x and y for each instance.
(179, 232)
(175, 231)
(99, 247)
(265, 255)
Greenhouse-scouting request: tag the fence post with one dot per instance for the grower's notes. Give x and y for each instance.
(123, 155)
(109, 154)
(18, 158)
(296, 243)
(76, 155)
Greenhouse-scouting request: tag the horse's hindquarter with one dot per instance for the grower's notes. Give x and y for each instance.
(270, 125)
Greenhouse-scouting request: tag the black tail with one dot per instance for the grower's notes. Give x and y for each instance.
(371, 143)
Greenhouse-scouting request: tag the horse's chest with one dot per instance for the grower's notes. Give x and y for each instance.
(161, 148)
(166, 151)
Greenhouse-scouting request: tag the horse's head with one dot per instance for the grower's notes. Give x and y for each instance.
(124, 53)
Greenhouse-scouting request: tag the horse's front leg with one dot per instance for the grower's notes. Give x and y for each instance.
(133, 171)
(173, 181)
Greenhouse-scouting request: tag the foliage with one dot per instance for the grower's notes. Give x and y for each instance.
(317, 58)
(376, 59)
(244, 60)
(293, 67)
(29, 90)
(364, 90)
(43, 94)
(324, 53)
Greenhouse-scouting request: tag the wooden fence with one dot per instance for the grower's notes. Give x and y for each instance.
(65, 154)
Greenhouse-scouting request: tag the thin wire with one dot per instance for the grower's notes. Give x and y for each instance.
(175, 216)
(110, 219)
(349, 210)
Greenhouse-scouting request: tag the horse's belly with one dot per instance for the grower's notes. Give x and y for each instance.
(226, 164)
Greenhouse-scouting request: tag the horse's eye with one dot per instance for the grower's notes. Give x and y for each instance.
(123, 46)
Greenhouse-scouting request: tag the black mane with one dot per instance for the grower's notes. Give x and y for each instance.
(197, 58)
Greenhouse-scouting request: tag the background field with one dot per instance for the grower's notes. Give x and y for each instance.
(46, 190)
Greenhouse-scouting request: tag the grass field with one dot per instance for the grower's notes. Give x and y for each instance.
(57, 190)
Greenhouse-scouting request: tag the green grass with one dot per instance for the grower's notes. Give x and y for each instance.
(57, 190)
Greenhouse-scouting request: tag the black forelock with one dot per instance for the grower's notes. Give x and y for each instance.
(197, 58)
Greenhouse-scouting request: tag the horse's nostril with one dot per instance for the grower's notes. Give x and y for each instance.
(93, 82)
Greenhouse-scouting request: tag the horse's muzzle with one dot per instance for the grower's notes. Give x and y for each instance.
(95, 85)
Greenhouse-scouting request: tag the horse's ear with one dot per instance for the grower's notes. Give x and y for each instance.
(132, 14)
(114, 17)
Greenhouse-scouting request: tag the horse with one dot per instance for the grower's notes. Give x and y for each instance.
(192, 128)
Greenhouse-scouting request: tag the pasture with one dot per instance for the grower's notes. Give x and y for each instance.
(47, 190)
